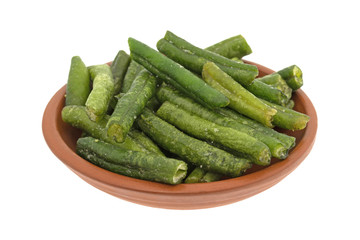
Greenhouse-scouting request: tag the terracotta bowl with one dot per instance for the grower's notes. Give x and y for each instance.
(61, 138)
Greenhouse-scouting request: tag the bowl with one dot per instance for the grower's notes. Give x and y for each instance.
(61, 139)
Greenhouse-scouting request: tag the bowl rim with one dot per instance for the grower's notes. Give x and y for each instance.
(85, 168)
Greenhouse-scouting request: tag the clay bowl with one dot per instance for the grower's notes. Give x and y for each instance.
(61, 138)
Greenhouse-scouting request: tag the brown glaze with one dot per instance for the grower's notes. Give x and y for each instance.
(61, 138)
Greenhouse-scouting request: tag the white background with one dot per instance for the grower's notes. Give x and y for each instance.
(42, 199)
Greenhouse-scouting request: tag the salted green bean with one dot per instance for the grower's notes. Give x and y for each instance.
(276, 81)
(78, 84)
(267, 92)
(95, 70)
(293, 76)
(148, 166)
(133, 70)
(232, 47)
(211, 177)
(287, 118)
(195, 176)
(184, 58)
(103, 89)
(118, 68)
(144, 141)
(131, 105)
(290, 104)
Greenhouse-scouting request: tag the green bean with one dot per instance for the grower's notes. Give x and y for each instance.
(236, 59)
(198, 175)
(288, 141)
(78, 85)
(191, 149)
(152, 104)
(131, 105)
(95, 70)
(116, 168)
(146, 142)
(276, 81)
(288, 118)
(267, 92)
(293, 76)
(211, 177)
(118, 68)
(209, 131)
(232, 47)
(133, 70)
(175, 74)
(187, 59)
(290, 104)
(195, 176)
(277, 147)
(102, 92)
(77, 117)
(148, 166)
(240, 99)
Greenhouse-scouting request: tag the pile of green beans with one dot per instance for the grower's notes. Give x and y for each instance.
(182, 114)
